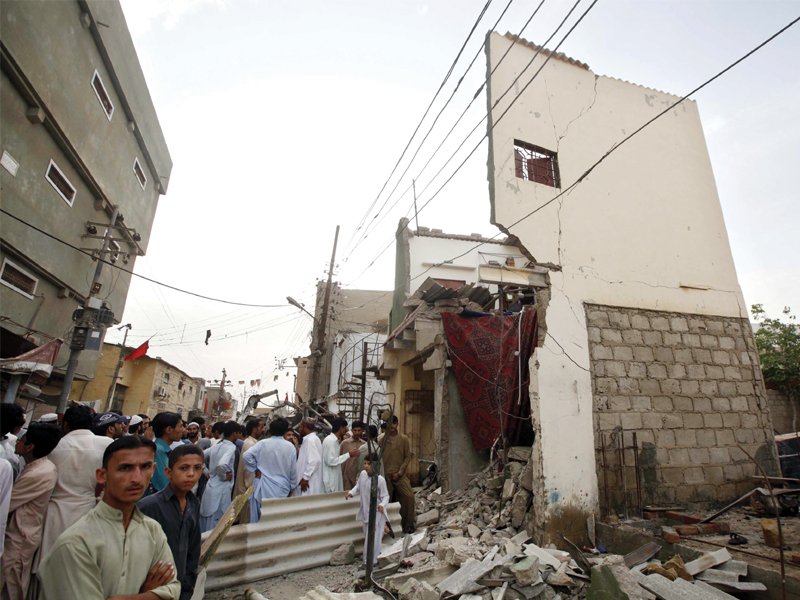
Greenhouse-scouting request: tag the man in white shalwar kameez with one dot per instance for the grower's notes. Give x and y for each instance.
(217, 495)
(274, 461)
(332, 459)
(362, 490)
(309, 461)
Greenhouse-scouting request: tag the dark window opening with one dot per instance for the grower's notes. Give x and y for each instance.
(60, 183)
(139, 173)
(536, 164)
(18, 279)
(102, 95)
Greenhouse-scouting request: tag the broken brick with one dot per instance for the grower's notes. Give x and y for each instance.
(687, 529)
(708, 528)
(650, 515)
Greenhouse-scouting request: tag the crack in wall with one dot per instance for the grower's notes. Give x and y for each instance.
(565, 353)
(583, 111)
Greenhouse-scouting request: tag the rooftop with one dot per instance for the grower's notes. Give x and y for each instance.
(558, 55)
(472, 237)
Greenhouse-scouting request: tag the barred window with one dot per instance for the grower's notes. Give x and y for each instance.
(14, 277)
(536, 164)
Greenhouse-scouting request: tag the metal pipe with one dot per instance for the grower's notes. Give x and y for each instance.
(605, 470)
(638, 473)
(622, 468)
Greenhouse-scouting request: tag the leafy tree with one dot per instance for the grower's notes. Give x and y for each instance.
(779, 349)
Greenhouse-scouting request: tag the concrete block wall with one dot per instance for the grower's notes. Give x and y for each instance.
(782, 412)
(691, 388)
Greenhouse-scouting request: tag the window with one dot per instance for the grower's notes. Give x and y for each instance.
(18, 280)
(102, 94)
(536, 164)
(190, 389)
(137, 169)
(60, 183)
(166, 377)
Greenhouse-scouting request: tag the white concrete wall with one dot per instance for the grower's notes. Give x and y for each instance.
(426, 251)
(643, 225)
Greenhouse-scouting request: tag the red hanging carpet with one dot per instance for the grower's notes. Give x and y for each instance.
(474, 343)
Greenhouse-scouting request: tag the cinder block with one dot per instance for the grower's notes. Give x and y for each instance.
(736, 373)
(733, 472)
(685, 438)
(714, 372)
(659, 323)
(718, 455)
(693, 420)
(731, 420)
(619, 403)
(643, 354)
(701, 355)
(691, 339)
(702, 404)
(606, 385)
(712, 420)
(745, 436)
(746, 373)
(611, 335)
(695, 371)
(727, 388)
(745, 388)
(656, 371)
(632, 337)
(640, 321)
(715, 475)
(646, 437)
(594, 334)
(670, 386)
(608, 421)
(598, 318)
(699, 456)
(615, 369)
(678, 456)
(694, 475)
(706, 438)
(721, 404)
(725, 438)
(619, 320)
(727, 343)
(637, 370)
(673, 421)
(653, 338)
(662, 403)
(721, 357)
(749, 421)
(650, 387)
(672, 475)
(623, 353)
(602, 353)
(666, 437)
(683, 355)
(640, 403)
(709, 341)
(682, 403)
(709, 388)
(631, 420)
(628, 386)
(676, 371)
(671, 339)
(652, 421)
(679, 324)
(663, 354)
(697, 325)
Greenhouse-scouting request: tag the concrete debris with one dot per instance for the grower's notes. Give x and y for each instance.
(456, 551)
(712, 559)
(769, 527)
(416, 560)
(430, 517)
(393, 553)
(676, 565)
(712, 591)
(526, 571)
(344, 555)
(734, 566)
(465, 580)
(417, 590)
(715, 576)
(519, 507)
(508, 490)
(322, 593)
(474, 531)
(520, 453)
(432, 574)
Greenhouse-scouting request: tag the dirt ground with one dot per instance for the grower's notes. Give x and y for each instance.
(295, 585)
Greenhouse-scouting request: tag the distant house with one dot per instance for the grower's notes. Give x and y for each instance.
(79, 136)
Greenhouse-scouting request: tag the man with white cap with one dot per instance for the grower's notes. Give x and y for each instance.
(135, 425)
(51, 418)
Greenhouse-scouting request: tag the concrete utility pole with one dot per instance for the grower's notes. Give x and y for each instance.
(319, 351)
(92, 299)
(221, 397)
(113, 387)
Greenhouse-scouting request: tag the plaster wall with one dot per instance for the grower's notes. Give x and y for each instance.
(644, 230)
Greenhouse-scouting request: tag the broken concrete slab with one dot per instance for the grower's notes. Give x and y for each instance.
(344, 555)
(433, 575)
(519, 507)
(416, 559)
(604, 585)
(521, 538)
(455, 551)
(712, 559)
(474, 531)
(734, 566)
(428, 518)
(526, 477)
(560, 577)
(712, 591)
(530, 592)
(393, 552)
(520, 453)
(417, 590)
(679, 589)
(526, 571)
(465, 579)
(322, 593)
(715, 576)
(545, 558)
(508, 490)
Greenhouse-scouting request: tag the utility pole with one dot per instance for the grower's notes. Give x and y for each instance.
(113, 387)
(93, 302)
(323, 322)
(221, 397)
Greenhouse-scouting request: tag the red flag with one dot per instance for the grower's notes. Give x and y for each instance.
(140, 351)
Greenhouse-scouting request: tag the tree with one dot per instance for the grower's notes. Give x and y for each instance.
(779, 349)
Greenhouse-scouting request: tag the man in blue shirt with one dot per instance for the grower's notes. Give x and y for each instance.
(168, 428)
(274, 461)
(221, 459)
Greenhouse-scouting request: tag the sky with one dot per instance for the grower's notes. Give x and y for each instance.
(285, 119)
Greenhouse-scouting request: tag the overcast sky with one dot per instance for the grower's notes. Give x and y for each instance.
(284, 119)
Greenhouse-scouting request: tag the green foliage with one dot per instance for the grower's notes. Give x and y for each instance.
(779, 349)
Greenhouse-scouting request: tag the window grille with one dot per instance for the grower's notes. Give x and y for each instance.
(60, 183)
(536, 164)
(102, 95)
(18, 280)
(140, 176)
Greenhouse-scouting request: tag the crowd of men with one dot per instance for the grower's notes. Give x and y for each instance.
(98, 505)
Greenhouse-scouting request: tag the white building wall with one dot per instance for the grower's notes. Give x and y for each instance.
(348, 363)
(644, 230)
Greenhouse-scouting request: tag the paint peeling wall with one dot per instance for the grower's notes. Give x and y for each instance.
(644, 230)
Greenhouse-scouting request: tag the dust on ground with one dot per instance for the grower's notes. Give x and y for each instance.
(295, 585)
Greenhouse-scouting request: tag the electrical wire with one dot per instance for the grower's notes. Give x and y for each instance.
(166, 285)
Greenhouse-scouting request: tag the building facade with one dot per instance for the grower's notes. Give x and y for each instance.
(643, 326)
(79, 140)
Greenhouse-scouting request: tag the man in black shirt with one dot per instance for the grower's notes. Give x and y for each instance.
(177, 510)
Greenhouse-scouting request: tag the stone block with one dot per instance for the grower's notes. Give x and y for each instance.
(699, 456)
(457, 550)
(608, 421)
(676, 371)
(662, 404)
(640, 403)
(725, 438)
(685, 493)
(678, 324)
(749, 421)
(714, 372)
(690, 387)
(663, 354)
(653, 338)
(672, 475)
(694, 475)
(721, 357)
(745, 388)
(709, 341)
(623, 353)
(606, 385)
(519, 507)
(640, 322)
(727, 388)
(685, 437)
(652, 421)
(693, 420)
(508, 490)
(656, 371)
(637, 370)
(673, 421)
(619, 320)
(683, 355)
(594, 334)
(682, 403)
(628, 386)
(731, 328)
(649, 386)
(692, 340)
(719, 455)
(526, 571)
(701, 356)
(615, 369)
(611, 335)
(670, 386)
(646, 437)
(715, 475)
(745, 373)
(721, 404)
(417, 590)
(602, 353)
(736, 373)
(745, 436)
(619, 403)
(631, 420)
(428, 518)
(672, 339)
(666, 438)
(712, 420)
(344, 555)
(706, 438)
(598, 318)
(695, 371)
(731, 420)
(709, 388)
(643, 354)
(632, 337)
(659, 323)
(598, 368)
(702, 404)
(727, 343)
(696, 325)
(678, 456)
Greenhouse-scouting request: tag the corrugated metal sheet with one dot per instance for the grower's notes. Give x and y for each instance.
(293, 534)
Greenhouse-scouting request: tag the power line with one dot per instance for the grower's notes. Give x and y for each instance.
(427, 110)
(166, 285)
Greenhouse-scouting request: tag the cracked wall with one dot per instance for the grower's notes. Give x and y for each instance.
(643, 230)
(690, 388)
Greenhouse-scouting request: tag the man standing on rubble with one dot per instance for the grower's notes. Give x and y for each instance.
(396, 456)
(309, 460)
(349, 472)
(332, 458)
